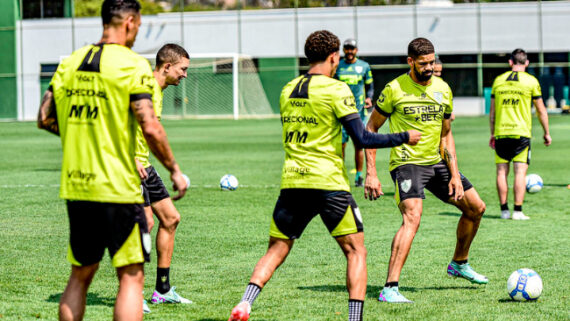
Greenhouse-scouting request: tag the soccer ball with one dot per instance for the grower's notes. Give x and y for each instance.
(524, 285)
(533, 183)
(229, 183)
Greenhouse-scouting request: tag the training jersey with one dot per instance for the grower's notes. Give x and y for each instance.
(93, 89)
(311, 106)
(355, 75)
(142, 152)
(410, 105)
(513, 92)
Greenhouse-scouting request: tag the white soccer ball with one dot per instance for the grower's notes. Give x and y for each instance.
(229, 183)
(533, 183)
(524, 285)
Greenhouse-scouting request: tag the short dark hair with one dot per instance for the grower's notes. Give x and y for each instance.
(320, 44)
(519, 57)
(419, 47)
(114, 9)
(170, 53)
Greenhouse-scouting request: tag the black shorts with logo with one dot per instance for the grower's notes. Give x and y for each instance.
(411, 179)
(153, 188)
(94, 227)
(295, 208)
(516, 149)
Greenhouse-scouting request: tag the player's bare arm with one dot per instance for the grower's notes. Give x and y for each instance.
(47, 117)
(372, 185)
(447, 150)
(158, 143)
(543, 119)
(141, 170)
(492, 123)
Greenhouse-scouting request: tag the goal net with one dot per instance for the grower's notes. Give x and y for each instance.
(218, 86)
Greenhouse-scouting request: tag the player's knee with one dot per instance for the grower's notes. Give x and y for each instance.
(171, 221)
(480, 209)
(412, 219)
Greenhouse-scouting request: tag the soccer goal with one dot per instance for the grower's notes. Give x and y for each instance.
(218, 86)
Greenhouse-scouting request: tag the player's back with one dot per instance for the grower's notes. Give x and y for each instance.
(311, 106)
(513, 92)
(92, 91)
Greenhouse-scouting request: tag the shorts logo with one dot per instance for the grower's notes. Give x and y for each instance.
(356, 212)
(146, 242)
(438, 97)
(405, 185)
(358, 69)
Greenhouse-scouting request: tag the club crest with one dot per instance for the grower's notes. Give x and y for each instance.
(405, 185)
(358, 69)
(438, 97)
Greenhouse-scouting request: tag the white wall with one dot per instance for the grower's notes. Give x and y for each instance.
(381, 30)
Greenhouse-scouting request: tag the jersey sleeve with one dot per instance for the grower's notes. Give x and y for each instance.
(143, 82)
(384, 103)
(494, 87)
(368, 79)
(343, 101)
(449, 104)
(536, 90)
(57, 79)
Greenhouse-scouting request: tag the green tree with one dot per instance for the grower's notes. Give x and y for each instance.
(90, 8)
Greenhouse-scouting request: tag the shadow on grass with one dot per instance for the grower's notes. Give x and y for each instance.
(513, 301)
(47, 169)
(211, 319)
(92, 299)
(373, 291)
(556, 185)
(455, 214)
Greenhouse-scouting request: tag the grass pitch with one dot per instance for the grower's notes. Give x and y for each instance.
(223, 234)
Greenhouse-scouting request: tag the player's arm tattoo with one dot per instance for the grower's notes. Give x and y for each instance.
(47, 116)
(447, 146)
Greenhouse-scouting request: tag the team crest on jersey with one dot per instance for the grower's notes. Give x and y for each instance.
(438, 97)
(358, 69)
(405, 185)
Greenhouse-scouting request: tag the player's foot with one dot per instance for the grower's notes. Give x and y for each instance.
(505, 214)
(359, 182)
(169, 297)
(519, 216)
(466, 271)
(146, 309)
(240, 312)
(392, 295)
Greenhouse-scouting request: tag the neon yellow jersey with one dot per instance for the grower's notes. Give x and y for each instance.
(410, 105)
(311, 106)
(142, 152)
(513, 92)
(93, 89)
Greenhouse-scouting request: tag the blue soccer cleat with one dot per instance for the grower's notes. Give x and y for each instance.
(466, 271)
(392, 295)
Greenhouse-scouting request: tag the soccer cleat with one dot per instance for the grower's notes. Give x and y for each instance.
(169, 297)
(146, 309)
(519, 216)
(392, 295)
(240, 312)
(359, 182)
(466, 271)
(505, 214)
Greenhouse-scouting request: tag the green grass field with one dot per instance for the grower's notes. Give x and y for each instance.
(223, 234)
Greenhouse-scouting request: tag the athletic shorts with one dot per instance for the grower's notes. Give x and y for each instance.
(363, 116)
(153, 188)
(410, 181)
(295, 208)
(120, 228)
(516, 149)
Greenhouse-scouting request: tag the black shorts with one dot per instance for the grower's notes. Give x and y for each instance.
(410, 181)
(295, 208)
(153, 188)
(509, 149)
(94, 227)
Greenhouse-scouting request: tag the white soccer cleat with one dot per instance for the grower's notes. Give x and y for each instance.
(519, 216)
(505, 215)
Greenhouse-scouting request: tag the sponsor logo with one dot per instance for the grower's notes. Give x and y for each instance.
(298, 170)
(381, 98)
(349, 101)
(300, 119)
(296, 103)
(85, 93)
(78, 174)
(77, 111)
(84, 78)
(405, 185)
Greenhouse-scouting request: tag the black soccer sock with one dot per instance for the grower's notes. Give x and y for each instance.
(391, 284)
(251, 292)
(162, 280)
(355, 308)
(505, 207)
(518, 208)
(460, 261)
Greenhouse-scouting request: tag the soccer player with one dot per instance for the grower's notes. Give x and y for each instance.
(314, 180)
(437, 71)
(94, 102)
(416, 100)
(357, 75)
(172, 61)
(510, 120)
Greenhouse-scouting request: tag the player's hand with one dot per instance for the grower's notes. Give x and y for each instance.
(456, 188)
(367, 103)
(415, 137)
(492, 142)
(179, 184)
(141, 170)
(372, 188)
(547, 140)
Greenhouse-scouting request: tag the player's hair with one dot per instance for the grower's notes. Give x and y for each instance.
(170, 53)
(419, 47)
(320, 44)
(112, 11)
(519, 57)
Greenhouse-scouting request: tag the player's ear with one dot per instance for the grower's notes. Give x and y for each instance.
(410, 61)
(511, 62)
(526, 63)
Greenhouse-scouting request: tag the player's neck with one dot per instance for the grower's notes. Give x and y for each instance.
(321, 69)
(160, 79)
(114, 35)
(518, 68)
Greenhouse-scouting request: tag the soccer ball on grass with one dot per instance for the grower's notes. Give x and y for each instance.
(533, 183)
(524, 285)
(229, 183)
